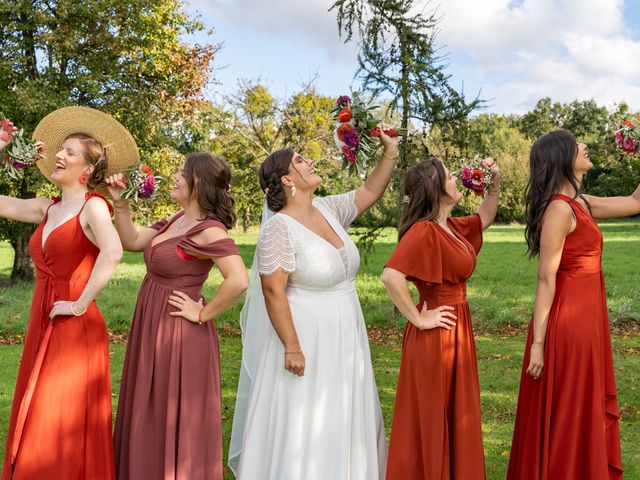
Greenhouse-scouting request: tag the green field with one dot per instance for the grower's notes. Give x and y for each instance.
(500, 295)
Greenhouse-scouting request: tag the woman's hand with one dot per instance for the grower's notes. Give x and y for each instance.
(116, 184)
(440, 317)
(536, 360)
(7, 132)
(491, 165)
(65, 308)
(390, 144)
(294, 362)
(187, 308)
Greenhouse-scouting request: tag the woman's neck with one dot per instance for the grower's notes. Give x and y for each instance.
(445, 211)
(568, 189)
(300, 205)
(73, 193)
(192, 212)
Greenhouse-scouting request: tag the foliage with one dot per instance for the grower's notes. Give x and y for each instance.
(128, 59)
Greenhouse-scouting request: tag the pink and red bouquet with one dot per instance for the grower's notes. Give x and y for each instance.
(16, 151)
(475, 177)
(354, 132)
(628, 137)
(142, 183)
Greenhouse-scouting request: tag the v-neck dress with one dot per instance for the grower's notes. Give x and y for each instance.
(60, 426)
(169, 421)
(328, 423)
(436, 432)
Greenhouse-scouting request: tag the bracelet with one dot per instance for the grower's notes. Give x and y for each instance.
(200, 320)
(384, 154)
(75, 312)
(292, 353)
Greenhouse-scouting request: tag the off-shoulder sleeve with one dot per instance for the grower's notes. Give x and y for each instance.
(343, 206)
(418, 254)
(470, 227)
(220, 248)
(275, 247)
(160, 224)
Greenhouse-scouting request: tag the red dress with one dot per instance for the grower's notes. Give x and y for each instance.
(567, 421)
(60, 425)
(169, 422)
(436, 432)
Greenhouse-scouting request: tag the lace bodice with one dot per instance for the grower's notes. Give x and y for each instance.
(312, 262)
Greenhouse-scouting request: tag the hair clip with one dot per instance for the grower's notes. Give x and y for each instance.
(405, 199)
(266, 192)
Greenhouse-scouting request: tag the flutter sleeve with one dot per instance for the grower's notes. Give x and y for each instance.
(275, 248)
(343, 206)
(470, 227)
(418, 254)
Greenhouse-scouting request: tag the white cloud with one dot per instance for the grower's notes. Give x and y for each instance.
(526, 50)
(517, 51)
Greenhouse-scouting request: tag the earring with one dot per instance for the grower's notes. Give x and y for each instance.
(293, 191)
(84, 178)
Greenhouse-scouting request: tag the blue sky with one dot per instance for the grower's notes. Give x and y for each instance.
(515, 52)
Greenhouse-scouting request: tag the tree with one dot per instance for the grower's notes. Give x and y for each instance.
(125, 58)
(398, 56)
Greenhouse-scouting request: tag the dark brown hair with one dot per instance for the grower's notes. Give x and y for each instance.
(209, 179)
(424, 186)
(272, 170)
(94, 154)
(550, 164)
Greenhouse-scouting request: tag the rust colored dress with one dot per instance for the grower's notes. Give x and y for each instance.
(436, 432)
(169, 421)
(567, 421)
(60, 425)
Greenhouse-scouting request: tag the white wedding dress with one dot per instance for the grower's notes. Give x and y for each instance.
(326, 425)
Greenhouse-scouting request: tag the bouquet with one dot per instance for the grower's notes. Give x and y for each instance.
(19, 152)
(475, 177)
(354, 132)
(142, 183)
(628, 137)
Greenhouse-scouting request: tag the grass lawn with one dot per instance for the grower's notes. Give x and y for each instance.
(500, 293)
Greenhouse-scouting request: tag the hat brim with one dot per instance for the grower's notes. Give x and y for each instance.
(55, 128)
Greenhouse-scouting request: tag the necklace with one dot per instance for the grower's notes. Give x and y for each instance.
(182, 222)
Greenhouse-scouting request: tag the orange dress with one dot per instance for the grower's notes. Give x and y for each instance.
(436, 432)
(60, 426)
(567, 421)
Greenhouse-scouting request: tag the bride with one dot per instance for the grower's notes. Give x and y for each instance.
(307, 404)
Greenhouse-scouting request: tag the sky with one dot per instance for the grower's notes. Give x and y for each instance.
(511, 52)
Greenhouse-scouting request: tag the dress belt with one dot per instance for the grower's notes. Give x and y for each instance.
(343, 288)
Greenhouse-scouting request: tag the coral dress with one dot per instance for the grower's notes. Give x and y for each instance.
(567, 421)
(169, 423)
(60, 425)
(436, 432)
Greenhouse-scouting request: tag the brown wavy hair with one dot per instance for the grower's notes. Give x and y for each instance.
(550, 164)
(272, 170)
(209, 179)
(424, 186)
(94, 154)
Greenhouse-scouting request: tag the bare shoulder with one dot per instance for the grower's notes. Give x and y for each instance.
(558, 217)
(210, 235)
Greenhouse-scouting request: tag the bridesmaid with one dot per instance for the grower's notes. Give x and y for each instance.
(60, 426)
(436, 432)
(567, 418)
(169, 422)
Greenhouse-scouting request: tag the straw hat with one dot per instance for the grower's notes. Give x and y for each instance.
(122, 151)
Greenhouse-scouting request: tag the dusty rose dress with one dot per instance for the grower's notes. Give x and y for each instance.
(169, 419)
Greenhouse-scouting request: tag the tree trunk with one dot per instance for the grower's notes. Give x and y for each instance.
(246, 220)
(22, 266)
